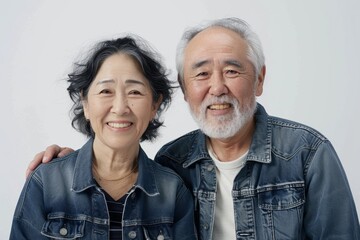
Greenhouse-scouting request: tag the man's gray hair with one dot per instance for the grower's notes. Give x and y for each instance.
(255, 52)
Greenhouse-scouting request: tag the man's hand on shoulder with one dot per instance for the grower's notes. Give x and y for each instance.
(51, 152)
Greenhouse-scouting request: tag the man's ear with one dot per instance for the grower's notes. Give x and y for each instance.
(260, 81)
(181, 83)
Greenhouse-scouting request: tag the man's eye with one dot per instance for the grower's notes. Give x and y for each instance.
(231, 73)
(202, 75)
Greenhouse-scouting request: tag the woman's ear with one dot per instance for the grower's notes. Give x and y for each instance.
(86, 109)
(85, 106)
(156, 106)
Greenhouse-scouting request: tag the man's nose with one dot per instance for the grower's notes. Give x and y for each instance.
(218, 85)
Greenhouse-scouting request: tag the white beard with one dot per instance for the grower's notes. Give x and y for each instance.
(228, 125)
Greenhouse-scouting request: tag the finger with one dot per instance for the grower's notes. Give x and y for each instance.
(51, 152)
(34, 163)
(65, 151)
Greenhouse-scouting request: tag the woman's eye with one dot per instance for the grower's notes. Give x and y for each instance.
(135, 92)
(105, 91)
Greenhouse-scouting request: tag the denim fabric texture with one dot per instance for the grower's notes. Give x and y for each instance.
(61, 200)
(293, 185)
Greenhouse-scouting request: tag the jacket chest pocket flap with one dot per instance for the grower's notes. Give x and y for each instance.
(281, 197)
(63, 228)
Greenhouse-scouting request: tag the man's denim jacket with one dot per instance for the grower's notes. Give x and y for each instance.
(292, 186)
(61, 200)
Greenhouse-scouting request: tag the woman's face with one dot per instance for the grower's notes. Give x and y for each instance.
(119, 103)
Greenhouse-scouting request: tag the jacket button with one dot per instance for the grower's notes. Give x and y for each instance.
(160, 237)
(206, 226)
(132, 234)
(63, 231)
(210, 167)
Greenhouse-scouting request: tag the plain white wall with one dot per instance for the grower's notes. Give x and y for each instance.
(311, 48)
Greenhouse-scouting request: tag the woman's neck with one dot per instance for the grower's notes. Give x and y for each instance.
(114, 161)
(115, 171)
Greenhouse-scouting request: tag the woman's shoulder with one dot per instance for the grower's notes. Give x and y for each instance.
(57, 164)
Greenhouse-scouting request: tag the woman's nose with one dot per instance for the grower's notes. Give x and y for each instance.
(120, 105)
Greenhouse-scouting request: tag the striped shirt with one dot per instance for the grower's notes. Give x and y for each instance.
(116, 210)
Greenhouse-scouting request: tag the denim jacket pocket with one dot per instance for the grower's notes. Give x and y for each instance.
(62, 226)
(281, 197)
(281, 208)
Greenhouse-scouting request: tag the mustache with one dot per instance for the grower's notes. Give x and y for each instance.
(225, 99)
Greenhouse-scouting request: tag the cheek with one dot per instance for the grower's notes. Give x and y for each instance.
(195, 93)
(242, 91)
(96, 109)
(144, 110)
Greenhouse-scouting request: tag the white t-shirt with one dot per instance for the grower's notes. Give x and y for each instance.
(224, 225)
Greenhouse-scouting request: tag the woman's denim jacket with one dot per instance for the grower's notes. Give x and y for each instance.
(292, 186)
(61, 200)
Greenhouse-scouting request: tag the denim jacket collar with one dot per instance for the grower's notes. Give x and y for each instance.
(260, 149)
(146, 178)
(83, 177)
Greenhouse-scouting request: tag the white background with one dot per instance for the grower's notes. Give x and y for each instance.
(312, 55)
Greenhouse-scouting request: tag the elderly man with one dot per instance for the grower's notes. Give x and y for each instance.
(253, 176)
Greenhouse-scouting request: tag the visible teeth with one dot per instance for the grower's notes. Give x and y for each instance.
(219, 106)
(119, 125)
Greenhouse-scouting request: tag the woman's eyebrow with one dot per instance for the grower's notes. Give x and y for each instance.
(128, 81)
(105, 81)
(133, 81)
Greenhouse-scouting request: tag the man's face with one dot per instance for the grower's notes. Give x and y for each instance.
(220, 82)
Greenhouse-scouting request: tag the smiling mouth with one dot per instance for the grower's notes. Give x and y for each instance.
(219, 106)
(119, 125)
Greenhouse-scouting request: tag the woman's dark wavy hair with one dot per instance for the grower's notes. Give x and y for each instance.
(84, 73)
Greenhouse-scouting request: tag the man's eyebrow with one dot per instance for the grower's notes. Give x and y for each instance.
(199, 64)
(230, 62)
(234, 63)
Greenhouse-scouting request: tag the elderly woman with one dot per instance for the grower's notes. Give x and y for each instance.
(110, 189)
